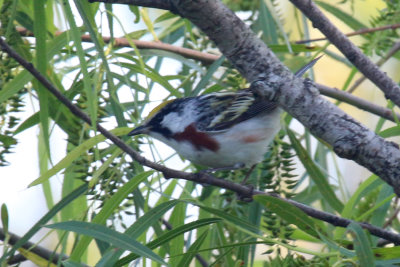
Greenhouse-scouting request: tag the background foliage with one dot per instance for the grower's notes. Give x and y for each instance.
(101, 194)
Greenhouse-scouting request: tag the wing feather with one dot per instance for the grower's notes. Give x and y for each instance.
(227, 109)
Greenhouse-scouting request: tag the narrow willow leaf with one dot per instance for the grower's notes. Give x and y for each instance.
(108, 235)
(390, 132)
(206, 78)
(387, 253)
(349, 20)
(91, 94)
(315, 174)
(88, 20)
(4, 218)
(108, 208)
(16, 84)
(169, 235)
(47, 217)
(140, 227)
(36, 259)
(233, 220)
(367, 186)
(191, 253)
(74, 154)
(362, 245)
(289, 213)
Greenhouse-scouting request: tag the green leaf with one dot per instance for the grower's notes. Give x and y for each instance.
(347, 19)
(140, 227)
(289, 213)
(16, 84)
(7, 140)
(191, 253)
(88, 20)
(110, 236)
(230, 219)
(4, 218)
(367, 186)
(390, 132)
(108, 208)
(206, 78)
(36, 259)
(40, 31)
(47, 217)
(387, 253)
(315, 174)
(361, 245)
(91, 94)
(169, 235)
(74, 154)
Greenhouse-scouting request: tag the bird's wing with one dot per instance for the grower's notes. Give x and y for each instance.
(223, 110)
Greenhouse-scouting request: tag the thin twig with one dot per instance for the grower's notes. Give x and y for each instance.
(395, 48)
(359, 32)
(195, 177)
(357, 102)
(393, 216)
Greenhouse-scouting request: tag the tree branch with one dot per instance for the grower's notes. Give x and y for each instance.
(160, 4)
(352, 52)
(359, 32)
(357, 102)
(36, 249)
(206, 58)
(202, 178)
(395, 48)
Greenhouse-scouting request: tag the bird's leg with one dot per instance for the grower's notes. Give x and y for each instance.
(249, 197)
(237, 166)
(248, 174)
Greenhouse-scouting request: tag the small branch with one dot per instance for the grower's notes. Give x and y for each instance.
(160, 4)
(359, 32)
(343, 222)
(194, 177)
(352, 52)
(357, 102)
(36, 249)
(392, 217)
(395, 48)
(206, 58)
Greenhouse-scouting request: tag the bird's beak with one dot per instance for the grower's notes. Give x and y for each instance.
(142, 129)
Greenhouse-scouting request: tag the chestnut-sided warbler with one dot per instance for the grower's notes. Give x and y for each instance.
(217, 130)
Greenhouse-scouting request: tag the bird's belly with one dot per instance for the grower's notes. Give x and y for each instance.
(245, 143)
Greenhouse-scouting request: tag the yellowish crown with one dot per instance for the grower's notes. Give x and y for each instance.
(158, 108)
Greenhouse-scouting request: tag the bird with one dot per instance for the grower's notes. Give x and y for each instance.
(221, 130)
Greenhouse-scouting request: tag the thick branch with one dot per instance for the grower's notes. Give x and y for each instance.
(352, 52)
(202, 178)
